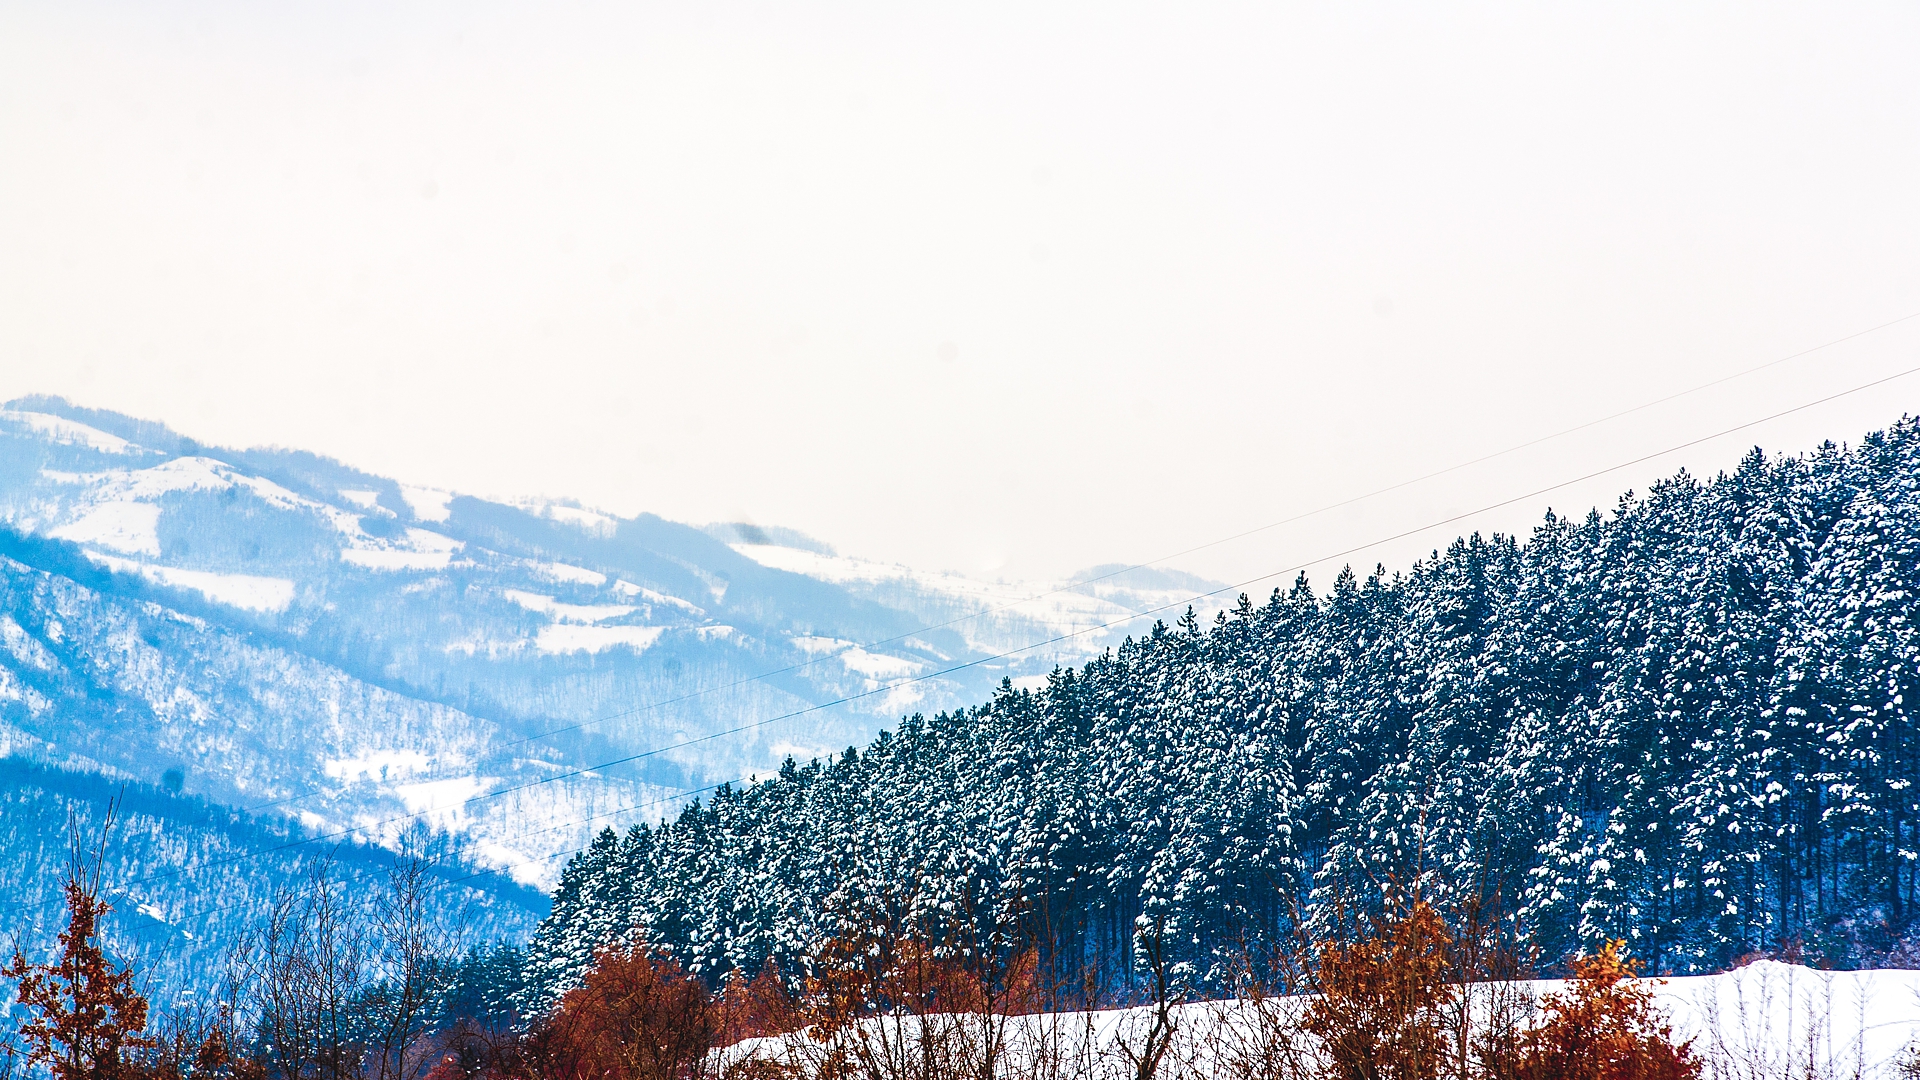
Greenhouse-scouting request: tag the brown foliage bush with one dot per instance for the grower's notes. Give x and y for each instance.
(88, 1021)
(758, 1007)
(470, 1050)
(1604, 1028)
(635, 1017)
(200, 1048)
(1378, 1015)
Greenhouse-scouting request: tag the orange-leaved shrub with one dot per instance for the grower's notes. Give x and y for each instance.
(1378, 1015)
(88, 1021)
(636, 1016)
(1604, 1027)
(758, 1007)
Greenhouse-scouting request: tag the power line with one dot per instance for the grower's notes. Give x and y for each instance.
(502, 748)
(886, 688)
(1305, 515)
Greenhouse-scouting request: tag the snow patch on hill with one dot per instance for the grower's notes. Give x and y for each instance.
(123, 526)
(415, 549)
(427, 504)
(566, 638)
(570, 575)
(554, 609)
(248, 592)
(377, 765)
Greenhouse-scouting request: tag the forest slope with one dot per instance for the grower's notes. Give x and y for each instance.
(1687, 722)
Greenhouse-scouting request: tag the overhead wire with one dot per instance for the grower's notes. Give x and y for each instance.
(502, 748)
(1187, 602)
(1082, 631)
(1349, 551)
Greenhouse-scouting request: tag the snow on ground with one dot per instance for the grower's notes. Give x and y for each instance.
(244, 591)
(1765, 1020)
(877, 666)
(441, 802)
(900, 700)
(571, 638)
(427, 504)
(572, 575)
(417, 549)
(628, 588)
(814, 645)
(131, 527)
(1776, 1018)
(562, 612)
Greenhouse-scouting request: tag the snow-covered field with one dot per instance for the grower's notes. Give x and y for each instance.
(1766, 1020)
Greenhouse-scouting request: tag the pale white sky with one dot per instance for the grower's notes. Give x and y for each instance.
(1007, 287)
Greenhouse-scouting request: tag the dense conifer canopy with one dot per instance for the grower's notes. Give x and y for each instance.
(1684, 723)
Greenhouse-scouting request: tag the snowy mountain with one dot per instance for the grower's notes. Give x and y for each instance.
(1045, 623)
(284, 634)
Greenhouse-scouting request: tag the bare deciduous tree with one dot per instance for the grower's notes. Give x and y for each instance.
(313, 961)
(412, 940)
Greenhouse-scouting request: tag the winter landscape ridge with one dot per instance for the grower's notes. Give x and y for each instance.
(1682, 723)
(273, 635)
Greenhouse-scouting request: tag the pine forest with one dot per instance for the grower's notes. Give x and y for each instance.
(1684, 723)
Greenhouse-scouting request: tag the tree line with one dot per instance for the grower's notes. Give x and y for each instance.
(337, 987)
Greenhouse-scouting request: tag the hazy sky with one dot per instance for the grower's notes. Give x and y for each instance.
(1008, 287)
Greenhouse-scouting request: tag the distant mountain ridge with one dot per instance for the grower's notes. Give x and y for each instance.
(328, 657)
(293, 634)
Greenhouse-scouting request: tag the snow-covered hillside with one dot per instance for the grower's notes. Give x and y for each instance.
(292, 636)
(185, 879)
